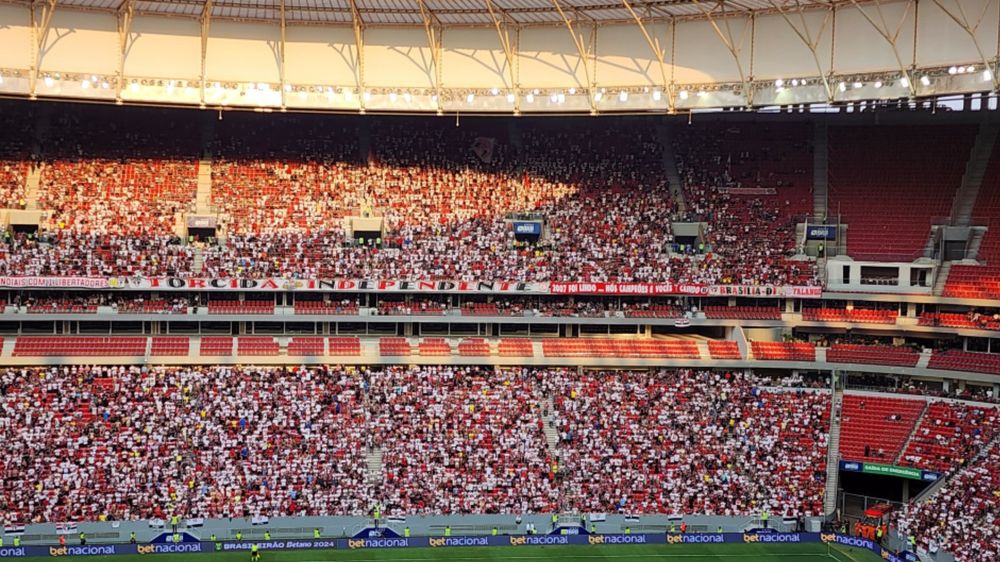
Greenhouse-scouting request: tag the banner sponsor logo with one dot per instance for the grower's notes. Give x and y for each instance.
(84, 550)
(17, 552)
(377, 543)
(890, 470)
(540, 540)
(274, 284)
(616, 539)
(56, 282)
(281, 545)
(168, 548)
(458, 541)
(771, 537)
(527, 228)
(696, 538)
(821, 232)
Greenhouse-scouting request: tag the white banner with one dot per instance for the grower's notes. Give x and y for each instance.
(275, 284)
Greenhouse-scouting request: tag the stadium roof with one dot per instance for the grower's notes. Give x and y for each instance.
(444, 12)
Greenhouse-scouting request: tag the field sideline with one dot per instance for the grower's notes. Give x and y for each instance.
(652, 553)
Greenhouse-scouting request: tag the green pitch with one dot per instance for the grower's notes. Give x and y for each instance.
(639, 553)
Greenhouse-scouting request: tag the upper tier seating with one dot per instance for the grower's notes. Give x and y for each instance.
(970, 320)
(79, 346)
(858, 315)
(982, 281)
(888, 183)
(956, 360)
(724, 350)
(877, 423)
(872, 355)
(584, 347)
(783, 351)
(743, 312)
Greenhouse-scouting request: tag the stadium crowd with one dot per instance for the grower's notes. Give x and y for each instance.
(282, 190)
(963, 517)
(690, 441)
(125, 443)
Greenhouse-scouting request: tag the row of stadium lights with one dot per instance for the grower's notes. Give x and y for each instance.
(904, 82)
(557, 97)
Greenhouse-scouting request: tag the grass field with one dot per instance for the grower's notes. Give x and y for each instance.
(651, 553)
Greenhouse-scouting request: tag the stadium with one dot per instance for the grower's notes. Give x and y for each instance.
(407, 280)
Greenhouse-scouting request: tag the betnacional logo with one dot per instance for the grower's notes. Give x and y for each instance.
(168, 548)
(675, 539)
(458, 541)
(616, 539)
(377, 543)
(771, 537)
(17, 552)
(539, 540)
(827, 537)
(83, 550)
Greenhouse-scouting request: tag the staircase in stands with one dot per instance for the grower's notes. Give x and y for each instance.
(833, 454)
(670, 166)
(203, 197)
(941, 278)
(32, 182)
(821, 170)
(373, 457)
(549, 428)
(975, 170)
(916, 426)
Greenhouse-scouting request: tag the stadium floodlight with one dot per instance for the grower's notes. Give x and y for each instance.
(701, 93)
(987, 75)
(925, 80)
(878, 83)
(470, 98)
(511, 97)
(842, 86)
(779, 83)
(683, 94)
(407, 97)
(795, 82)
(536, 91)
(858, 85)
(93, 77)
(494, 91)
(970, 68)
(904, 82)
(530, 98)
(348, 94)
(105, 85)
(554, 98)
(623, 96)
(85, 84)
(134, 86)
(598, 96)
(657, 95)
(367, 95)
(392, 97)
(952, 70)
(572, 91)
(561, 98)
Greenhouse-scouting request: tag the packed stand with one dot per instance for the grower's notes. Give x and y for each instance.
(751, 185)
(949, 435)
(963, 517)
(15, 153)
(462, 440)
(689, 442)
(130, 443)
(104, 175)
